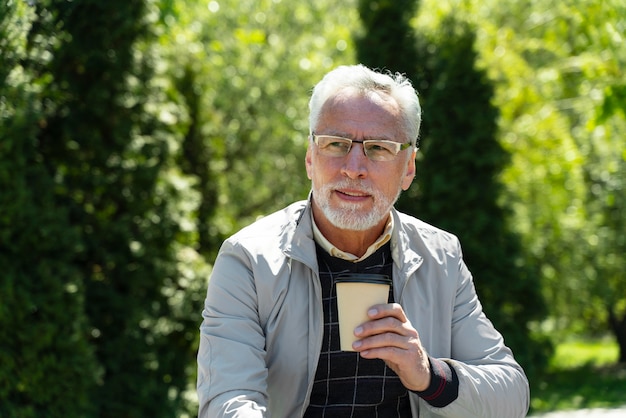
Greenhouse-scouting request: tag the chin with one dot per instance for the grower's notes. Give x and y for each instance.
(353, 220)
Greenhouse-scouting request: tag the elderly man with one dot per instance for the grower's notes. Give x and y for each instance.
(269, 340)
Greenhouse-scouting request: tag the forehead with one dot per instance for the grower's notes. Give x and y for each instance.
(369, 114)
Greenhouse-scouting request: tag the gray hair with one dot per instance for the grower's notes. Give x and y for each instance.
(365, 80)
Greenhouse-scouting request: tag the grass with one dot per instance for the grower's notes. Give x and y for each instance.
(582, 374)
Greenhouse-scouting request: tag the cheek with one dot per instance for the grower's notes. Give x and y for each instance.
(320, 171)
(391, 182)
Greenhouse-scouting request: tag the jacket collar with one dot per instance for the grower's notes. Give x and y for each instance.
(402, 252)
(298, 242)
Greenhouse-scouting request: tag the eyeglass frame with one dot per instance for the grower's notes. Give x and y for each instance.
(400, 146)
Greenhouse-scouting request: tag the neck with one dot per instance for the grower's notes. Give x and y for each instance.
(350, 241)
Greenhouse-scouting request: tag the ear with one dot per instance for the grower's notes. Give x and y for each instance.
(308, 162)
(410, 171)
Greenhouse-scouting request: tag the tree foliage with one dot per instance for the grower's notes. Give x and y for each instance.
(244, 71)
(91, 233)
(388, 40)
(135, 136)
(558, 69)
(148, 148)
(47, 366)
(459, 188)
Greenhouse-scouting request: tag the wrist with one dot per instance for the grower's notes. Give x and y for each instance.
(443, 387)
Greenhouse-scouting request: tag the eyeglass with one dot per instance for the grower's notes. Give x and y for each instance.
(374, 149)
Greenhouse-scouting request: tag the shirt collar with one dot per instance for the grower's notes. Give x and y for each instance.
(336, 252)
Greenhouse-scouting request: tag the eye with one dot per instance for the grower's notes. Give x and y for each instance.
(334, 145)
(381, 147)
(338, 144)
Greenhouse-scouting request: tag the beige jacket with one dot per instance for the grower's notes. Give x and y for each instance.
(262, 330)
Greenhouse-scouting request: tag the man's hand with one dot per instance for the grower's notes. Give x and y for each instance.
(389, 336)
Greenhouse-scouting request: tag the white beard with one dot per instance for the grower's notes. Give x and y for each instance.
(350, 216)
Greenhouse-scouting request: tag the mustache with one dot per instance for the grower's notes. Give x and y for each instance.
(351, 184)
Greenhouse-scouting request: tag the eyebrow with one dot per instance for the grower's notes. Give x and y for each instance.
(365, 138)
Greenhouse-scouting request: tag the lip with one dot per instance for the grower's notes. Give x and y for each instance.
(352, 195)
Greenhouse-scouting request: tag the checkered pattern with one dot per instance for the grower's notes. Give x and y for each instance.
(347, 385)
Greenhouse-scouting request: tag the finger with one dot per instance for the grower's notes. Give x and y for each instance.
(382, 340)
(387, 309)
(386, 324)
(391, 355)
(409, 362)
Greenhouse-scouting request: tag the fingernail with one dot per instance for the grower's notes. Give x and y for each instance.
(356, 344)
(372, 312)
(358, 330)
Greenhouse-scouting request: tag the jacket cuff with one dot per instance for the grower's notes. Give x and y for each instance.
(444, 384)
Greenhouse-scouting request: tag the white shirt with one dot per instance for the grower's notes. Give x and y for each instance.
(336, 252)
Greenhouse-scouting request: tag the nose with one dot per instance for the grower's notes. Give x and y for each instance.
(355, 162)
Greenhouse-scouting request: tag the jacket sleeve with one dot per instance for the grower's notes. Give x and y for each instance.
(491, 383)
(232, 373)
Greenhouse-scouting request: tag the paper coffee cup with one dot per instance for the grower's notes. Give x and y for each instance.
(356, 293)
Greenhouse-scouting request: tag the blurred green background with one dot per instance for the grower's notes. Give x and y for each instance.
(136, 135)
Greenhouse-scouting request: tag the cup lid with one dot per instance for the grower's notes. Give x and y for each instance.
(363, 278)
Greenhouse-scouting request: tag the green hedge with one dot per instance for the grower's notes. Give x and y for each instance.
(457, 178)
(86, 233)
